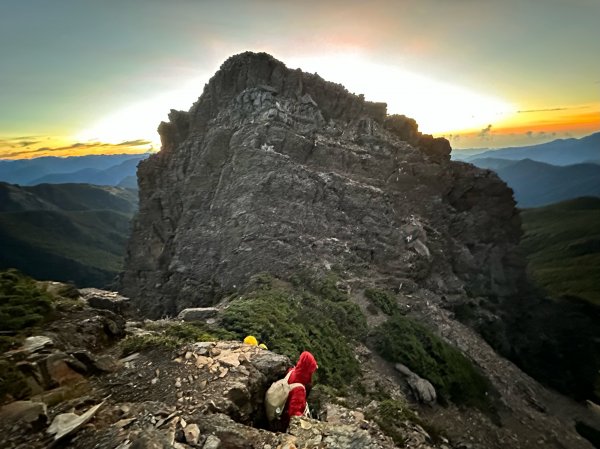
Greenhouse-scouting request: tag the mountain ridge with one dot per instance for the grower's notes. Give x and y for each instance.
(65, 232)
(556, 152)
(59, 170)
(538, 184)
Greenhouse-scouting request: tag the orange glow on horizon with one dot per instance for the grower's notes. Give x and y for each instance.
(525, 127)
(20, 148)
(528, 127)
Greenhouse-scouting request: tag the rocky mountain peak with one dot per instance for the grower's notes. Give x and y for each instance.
(275, 170)
(264, 73)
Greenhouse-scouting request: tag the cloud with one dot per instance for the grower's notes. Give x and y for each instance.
(485, 132)
(26, 143)
(527, 111)
(131, 143)
(20, 141)
(452, 137)
(83, 148)
(540, 134)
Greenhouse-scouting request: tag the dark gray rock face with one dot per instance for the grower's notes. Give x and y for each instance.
(274, 169)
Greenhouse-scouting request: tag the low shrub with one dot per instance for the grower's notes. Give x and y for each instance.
(140, 343)
(190, 332)
(389, 412)
(22, 303)
(325, 286)
(291, 320)
(170, 335)
(384, 301)
(455, 378)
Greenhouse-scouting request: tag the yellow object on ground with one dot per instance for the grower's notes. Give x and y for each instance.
(262, 345)
(250, 340)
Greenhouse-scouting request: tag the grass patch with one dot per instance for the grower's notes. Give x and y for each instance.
(190, 332)
(562, 244)
(456, 379)
(389, 412)
(325, 286)
(291, 319)
(384, 301)
(172, 335)
(140, 343)
(22, 303)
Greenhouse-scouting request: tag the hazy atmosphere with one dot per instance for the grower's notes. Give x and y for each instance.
(83, 77)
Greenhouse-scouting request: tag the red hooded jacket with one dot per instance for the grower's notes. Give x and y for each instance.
(301, 373)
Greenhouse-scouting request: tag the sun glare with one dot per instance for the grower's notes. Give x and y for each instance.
(438, 107)
(140, 120)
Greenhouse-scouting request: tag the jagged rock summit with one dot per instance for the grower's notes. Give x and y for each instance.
(274, 169)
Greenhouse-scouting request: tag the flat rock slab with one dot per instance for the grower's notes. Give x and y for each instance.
(198, 313)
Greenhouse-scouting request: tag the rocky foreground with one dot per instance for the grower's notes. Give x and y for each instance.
(87, 388)
(204, 394)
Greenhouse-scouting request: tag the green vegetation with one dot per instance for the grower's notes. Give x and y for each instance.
(552, 332)
(322, 285)
(86, 247)
(558, 343)
(72, 232)
(291, 319)
(389, 413)
(138, 343)
(384, 301)
(172, 335)
(562, 244)
(403, 340)
(12, 382)
(22, 303)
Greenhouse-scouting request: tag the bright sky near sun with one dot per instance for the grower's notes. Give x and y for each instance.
(83, 76)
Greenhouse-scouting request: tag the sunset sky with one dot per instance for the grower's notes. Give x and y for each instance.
(91, 77)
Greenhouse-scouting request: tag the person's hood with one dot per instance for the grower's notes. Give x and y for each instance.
(304, 369)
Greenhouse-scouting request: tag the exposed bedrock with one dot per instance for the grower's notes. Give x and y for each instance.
(275, 169)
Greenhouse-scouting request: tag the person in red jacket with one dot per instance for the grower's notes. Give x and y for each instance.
(301, 373)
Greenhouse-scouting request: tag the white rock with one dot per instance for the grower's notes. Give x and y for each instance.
(192, 433)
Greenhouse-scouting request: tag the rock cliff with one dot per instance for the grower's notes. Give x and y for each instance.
(275, 170)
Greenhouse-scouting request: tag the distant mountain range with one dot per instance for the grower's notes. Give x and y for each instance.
(557, 152)
(97, 169)
(66, 232)
(538, 184)
(547, 173)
